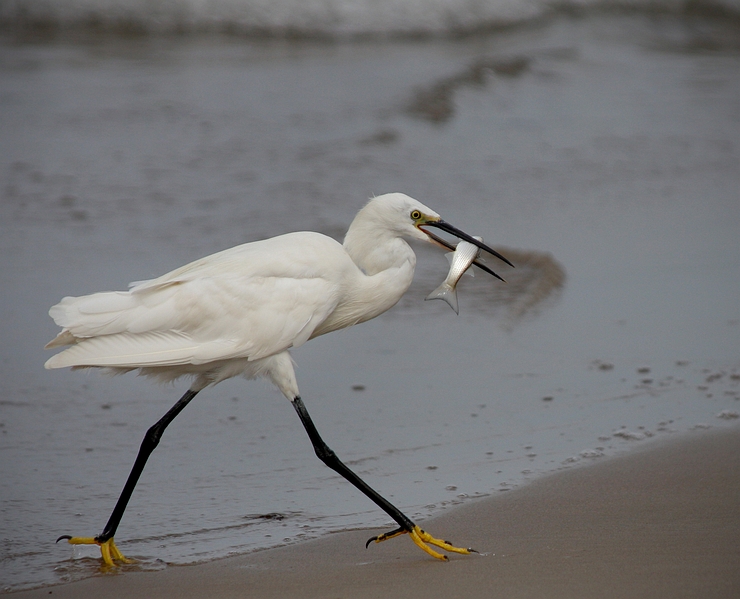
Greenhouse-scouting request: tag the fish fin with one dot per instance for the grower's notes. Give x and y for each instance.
(446, 293)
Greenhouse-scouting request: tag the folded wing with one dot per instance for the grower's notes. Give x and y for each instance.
(250, 302)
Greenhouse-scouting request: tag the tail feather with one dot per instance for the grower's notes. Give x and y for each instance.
(62, 339)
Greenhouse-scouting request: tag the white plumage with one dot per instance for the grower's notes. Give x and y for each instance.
(232, 312)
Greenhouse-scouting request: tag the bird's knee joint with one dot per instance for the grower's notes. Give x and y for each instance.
(325, 454)
(152, 437)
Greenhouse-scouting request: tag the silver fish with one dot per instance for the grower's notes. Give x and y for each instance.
(461, 260)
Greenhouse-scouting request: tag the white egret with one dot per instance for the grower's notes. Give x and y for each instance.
(239, 311)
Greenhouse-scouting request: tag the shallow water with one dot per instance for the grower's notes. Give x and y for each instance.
(604, 157)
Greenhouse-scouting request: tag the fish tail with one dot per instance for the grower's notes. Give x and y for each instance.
(447, 293)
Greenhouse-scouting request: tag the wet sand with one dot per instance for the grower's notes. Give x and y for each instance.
(661, 522)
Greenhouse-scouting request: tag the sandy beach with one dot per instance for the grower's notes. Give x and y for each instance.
(661, 522)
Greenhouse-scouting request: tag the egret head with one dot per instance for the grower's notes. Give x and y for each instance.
(413, 219)
(398, 215)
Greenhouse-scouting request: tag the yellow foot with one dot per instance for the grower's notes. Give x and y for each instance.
(421, 538)
(108, 548)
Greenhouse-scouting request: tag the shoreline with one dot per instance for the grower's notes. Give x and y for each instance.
(656, 522)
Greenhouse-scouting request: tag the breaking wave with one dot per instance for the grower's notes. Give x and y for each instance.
(316, 18)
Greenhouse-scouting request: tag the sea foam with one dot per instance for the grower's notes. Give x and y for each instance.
(332, 18)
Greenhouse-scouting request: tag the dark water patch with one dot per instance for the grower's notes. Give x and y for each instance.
(436, 103)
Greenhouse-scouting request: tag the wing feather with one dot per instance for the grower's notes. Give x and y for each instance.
(124, 350)
(250, 302)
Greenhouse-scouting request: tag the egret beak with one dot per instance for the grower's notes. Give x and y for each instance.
(448, 228)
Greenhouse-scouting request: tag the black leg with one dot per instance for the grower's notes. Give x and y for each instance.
(329, 458)
(151, 440)
(110, 552)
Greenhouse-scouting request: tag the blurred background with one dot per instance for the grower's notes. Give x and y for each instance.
(594, 143)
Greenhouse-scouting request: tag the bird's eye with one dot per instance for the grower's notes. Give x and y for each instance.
(415, 215)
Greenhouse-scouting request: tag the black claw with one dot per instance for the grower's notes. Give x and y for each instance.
(370, 540)
(66, 537)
